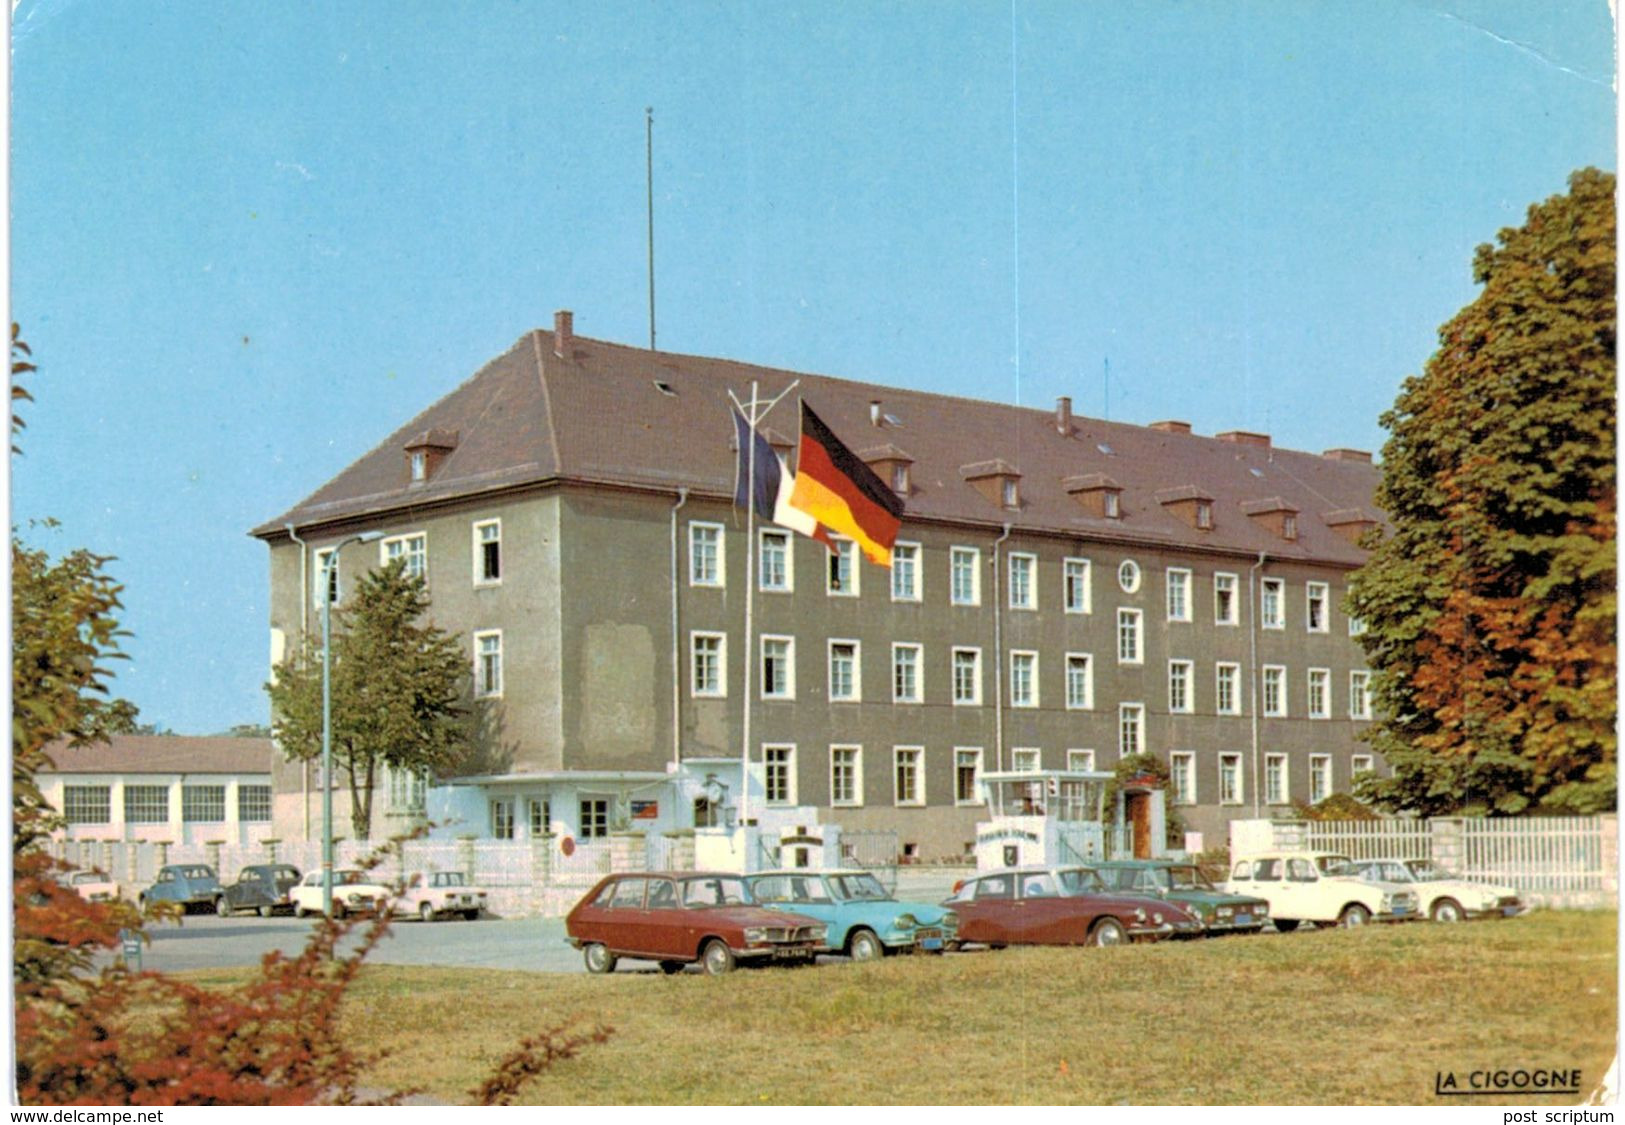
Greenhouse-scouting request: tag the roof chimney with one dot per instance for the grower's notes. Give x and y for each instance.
(563, 332)
(1347, 455)
(1172, 427)
(1063, 416)
(1244, 437)
(874, 412)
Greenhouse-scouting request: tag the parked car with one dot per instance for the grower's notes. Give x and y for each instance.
(864, 921)
(436, 894)
(190, 884)
(92, 886)
(1060, 906)
(682, 917)
(1322, 888)
(263, 887)
(1442, 896)
(1183, 882)
(354, 892)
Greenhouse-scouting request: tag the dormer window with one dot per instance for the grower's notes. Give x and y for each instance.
(426, 452)
(1098, 494)
(1204, 515)
(998, 481)
(1113, 505)
(1189, 503)
(1289, 526)
(899, 477)
(1012, 497)
(419, 461)
(892, 465)
(1275, 515)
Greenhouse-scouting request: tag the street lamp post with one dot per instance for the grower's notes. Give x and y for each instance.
(327, 712)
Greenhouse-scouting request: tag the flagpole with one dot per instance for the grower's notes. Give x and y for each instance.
(750, 603)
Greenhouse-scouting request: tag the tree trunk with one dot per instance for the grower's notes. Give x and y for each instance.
(361, 798)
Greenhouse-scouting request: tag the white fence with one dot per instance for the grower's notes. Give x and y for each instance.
(1372, 839)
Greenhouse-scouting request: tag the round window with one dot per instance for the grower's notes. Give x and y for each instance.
(1128, 576)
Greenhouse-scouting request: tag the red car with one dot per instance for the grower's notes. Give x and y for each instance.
(675, 918)
(1060, 906)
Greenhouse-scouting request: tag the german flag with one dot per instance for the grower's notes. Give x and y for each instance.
(842, 493)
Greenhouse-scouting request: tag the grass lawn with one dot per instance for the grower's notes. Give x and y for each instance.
(1364, 1017)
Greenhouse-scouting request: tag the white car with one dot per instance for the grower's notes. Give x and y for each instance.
(439, 893)
(1319, 887)
(353, 892)
(92, 886)
(1445, 897)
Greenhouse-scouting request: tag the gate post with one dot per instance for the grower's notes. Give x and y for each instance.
(465, 857)
(1447, 844)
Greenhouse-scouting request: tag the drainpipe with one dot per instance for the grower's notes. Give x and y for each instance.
(676, 645)
(1252, 669)
(304, 625)
(998, 655)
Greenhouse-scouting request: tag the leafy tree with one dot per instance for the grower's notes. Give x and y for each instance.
(397, 683)
(1490, 606)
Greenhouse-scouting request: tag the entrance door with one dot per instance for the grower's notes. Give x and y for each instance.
(1139, 815)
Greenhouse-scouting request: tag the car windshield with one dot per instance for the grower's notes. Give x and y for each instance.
(449, 879)
(1189, 879)
(89, 877)
(789, 888)
(349, 877)
(1337, 865)
(1425, 869)
(285, 873)
(198, 873)
(862, 888)
(714, 890)
(1080, 881)
(1385, 872)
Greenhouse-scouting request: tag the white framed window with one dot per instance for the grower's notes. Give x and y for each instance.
(418, 464)
(1204, 515)
(1227, 688)
(776, 565)
(488, 663)
(1273, 599)
(1023, 678)
(845, 672)
(1080, 759)
(846, 776)
(1180, 694)
(1276, 787)
(1130, 729)
(254, 804)
(779, 773)
(708, 665)
(1274, 691)
(330, 576)
(1179, 594)
(778, 667)
(843, 570)
(967, 677)
(1182, 777)
(1360, 763)
(965, 576)
(1080, 681)
(905, 572)
(1320, 778)
(203, 804)
(1359, 695)
(1023, 584)
(1320, 693)
(413, 548)
(1128, 576)
(502, 822)
(706, 562)
(1075, 582)
(1289, 526)
(1226, 607)
(146, 804)
(908, 774)
(1232, 789)
(905, 673)
(487, 552)
(1026, 759)
(1128, 636)
(1356, 627)
(1317, 609)
(899, 478)
(540, 818)
(967, 775)
(1113, 505)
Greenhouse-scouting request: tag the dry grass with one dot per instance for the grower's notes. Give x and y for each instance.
(1363, 1017)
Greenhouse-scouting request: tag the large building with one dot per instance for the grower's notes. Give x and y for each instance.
(1064, 591)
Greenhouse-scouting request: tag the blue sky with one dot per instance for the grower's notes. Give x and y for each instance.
(249, 239)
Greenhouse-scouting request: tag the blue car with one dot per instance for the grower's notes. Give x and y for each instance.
(190, 884)
(865, 922)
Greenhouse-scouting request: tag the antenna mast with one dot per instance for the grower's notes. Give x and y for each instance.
(649, 179)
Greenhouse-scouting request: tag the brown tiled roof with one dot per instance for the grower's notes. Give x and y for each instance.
(599, 417)
(165, 753)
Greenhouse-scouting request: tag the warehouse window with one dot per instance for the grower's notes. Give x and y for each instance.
(87, 804)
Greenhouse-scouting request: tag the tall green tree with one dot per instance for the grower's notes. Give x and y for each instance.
(397, 688)
(1490, 606)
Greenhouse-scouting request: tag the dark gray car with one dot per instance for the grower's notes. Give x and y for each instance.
(263, 887)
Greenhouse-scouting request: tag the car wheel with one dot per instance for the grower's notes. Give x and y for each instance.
(471, 915)
(716, 958)
(222, 907)
(266, 911)
(426, 912)
(1286, 925)
(671, 968)
(1108, 931)
(1353, 915)
(599, 959)
(1447, 910)
(338, 910)
(863, 945)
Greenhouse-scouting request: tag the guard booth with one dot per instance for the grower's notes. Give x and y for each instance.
(1042, 817)
(1141, 818)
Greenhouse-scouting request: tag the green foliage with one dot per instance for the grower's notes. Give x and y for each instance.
(20, 365)
(1490, 607)
(397, 689)
(1147, 765)
(1339, 806)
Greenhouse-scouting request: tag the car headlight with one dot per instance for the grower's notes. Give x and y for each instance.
(1262, 910)
(1156, 918)
(1222, 912)
(1139, 914)
(905, 921)
(755, 935)
(950, 921)
(818, 933)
